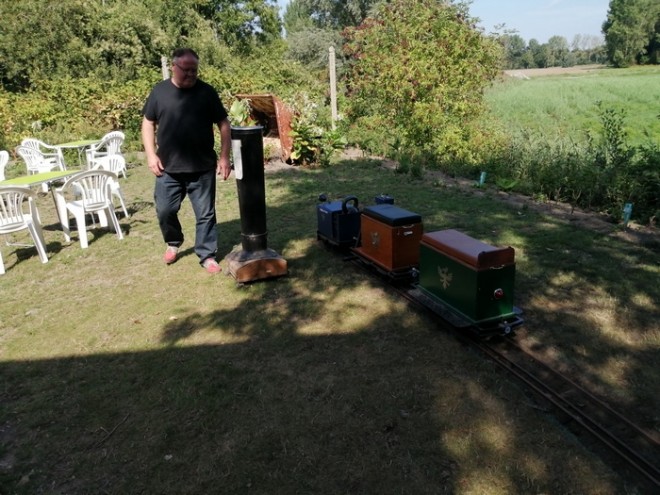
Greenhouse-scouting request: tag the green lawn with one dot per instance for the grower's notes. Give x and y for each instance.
(122, 375)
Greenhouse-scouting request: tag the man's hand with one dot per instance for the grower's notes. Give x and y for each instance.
(149, 142)
(155, 165)
(224, 168)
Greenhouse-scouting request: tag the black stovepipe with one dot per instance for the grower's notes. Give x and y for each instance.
(249, 171)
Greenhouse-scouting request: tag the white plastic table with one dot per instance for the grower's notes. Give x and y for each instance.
(41, 178)
(80, 146)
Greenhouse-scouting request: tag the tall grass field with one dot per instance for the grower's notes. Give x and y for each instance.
(589, 136)
(566, 105)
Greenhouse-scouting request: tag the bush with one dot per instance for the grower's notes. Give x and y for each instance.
(420, 67)
(313, 143)
(581, 174)
(62, 108)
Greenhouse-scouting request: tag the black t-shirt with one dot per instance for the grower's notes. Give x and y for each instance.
(185, 120)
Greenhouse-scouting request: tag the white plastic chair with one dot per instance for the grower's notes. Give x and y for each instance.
(14, 218)
(83, 193)
(4, 159)
(36, 162)
(110, 144)
(115, 164)
(51, 154)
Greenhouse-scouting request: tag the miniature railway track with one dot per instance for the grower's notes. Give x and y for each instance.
(613, 437)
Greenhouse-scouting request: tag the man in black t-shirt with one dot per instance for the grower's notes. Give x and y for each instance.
(177, 134)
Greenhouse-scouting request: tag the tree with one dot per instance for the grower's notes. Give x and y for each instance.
(527, 60)
(242, 24)
(421, 66)
(540, 53)
(632, 30)
(297, 17)
(558, 48)
(310, 47)
(335, 14)
(47, 38)
(43, 39)
(587, 49)
(514, 50)
(312, 26)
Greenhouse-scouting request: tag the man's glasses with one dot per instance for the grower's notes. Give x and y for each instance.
(192, 72)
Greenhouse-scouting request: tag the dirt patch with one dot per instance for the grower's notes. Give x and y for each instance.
(552, 71)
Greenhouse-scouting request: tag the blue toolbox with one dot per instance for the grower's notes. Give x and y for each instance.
(339, 221)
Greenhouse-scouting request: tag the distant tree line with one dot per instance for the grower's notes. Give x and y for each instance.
(631, 36)
(584, 49)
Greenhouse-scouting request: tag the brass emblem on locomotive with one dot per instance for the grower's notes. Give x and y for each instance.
(445, 277)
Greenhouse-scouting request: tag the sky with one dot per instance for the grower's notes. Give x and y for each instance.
(542, 19)
(538, 19)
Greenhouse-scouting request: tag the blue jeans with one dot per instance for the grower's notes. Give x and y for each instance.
(170, 192)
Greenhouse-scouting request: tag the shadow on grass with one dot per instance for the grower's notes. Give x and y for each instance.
(591, 301)
(382, 411)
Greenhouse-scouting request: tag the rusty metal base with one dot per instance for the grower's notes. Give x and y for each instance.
(248, 266)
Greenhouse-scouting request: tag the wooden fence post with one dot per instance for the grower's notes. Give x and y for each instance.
(333, 86)
(164, 68)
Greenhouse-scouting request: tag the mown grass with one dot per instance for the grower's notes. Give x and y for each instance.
(123, 375)
(566, 106)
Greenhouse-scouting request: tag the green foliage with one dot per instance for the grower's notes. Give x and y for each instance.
(613, 143)
(63, 108)
(92, 64)
(421, 67)
(413, 164)
(590, 141)
(297, 17)
(242, 25)
(632, 32)
(604, 173)
(45, 39)
(326, 14)
(264, 71)
(78, 38)
(239, 113)
(310, 48)
(312, 26)
(369, 132)
(313, 144)
(566, 106)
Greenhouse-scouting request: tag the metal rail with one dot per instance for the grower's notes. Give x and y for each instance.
(627, 440)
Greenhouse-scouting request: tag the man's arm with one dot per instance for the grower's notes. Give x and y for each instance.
(224, 167)
(149, 143)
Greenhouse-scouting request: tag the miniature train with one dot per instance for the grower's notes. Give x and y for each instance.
(466, 282)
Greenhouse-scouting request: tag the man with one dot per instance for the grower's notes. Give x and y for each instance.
(177, 135)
